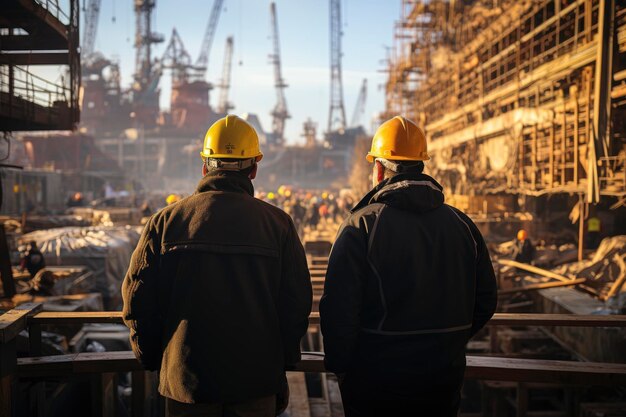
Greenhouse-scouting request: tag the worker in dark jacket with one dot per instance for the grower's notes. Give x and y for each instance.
(33, 260)
(218, 293)
(409, 282)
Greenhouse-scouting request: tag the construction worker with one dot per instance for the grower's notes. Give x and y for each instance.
(218, 293)
(76, 200)
(524, 250)
(594, 227)
(33, 260)
(409, 282)
(172, 198)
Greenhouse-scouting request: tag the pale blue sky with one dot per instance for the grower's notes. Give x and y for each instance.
(304, 37)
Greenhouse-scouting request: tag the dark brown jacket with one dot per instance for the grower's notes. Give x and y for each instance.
(218, 294)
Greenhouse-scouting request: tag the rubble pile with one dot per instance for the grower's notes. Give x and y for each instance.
(106, 251)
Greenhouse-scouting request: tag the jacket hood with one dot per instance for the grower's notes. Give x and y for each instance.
(229, 181)
(413, 192)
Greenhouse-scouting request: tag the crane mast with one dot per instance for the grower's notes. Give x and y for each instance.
(176, 58)
(223, 106)
(359, 109)
(280, 113)
(202, 62)
(91, 28)
(147, 74)
(337, 112)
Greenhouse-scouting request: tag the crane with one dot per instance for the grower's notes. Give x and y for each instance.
(202, 62)
(337, 112)
(91, 28)
(176, 58)
(280, 113)
(223, 106)
(359, 109)
(147, 74)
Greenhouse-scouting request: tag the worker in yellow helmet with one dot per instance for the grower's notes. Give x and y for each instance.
(271, 196)
(171, 199)
(594, 227)
(409, 281)
(189, 298)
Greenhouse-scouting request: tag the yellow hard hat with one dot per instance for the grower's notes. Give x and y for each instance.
(324, 195)
(399, 139)
(270, 196)
(522, 235)
(172, 198)
(231, 137)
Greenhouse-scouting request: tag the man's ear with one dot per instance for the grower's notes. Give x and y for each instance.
(252, 174)
(380, 172)
(204, 170)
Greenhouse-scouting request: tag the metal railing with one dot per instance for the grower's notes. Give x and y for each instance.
(52, 6)
(32, 88)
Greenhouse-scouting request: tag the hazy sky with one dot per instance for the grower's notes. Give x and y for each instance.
(304, 38)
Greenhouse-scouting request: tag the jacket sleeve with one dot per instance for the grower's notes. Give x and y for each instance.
(294, 298)
(486, 287)
(139, 293)
(340, 306)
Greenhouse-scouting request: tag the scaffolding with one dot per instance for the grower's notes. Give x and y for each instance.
(525, 97)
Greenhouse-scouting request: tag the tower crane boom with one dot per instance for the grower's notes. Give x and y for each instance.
(223, 106)
(91, 27)
(202, 62)
(337, 112)
(280, 113)
(359, 109)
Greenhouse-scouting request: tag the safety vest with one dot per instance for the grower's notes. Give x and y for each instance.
(593, 224)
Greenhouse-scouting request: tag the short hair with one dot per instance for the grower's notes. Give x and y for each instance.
(414, 167)
(245, 171)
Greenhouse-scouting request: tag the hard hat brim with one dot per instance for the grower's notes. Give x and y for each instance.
(229, 156)
(370, 157)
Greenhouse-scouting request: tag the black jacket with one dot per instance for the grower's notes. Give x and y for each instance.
(218, 294)
(409, 281)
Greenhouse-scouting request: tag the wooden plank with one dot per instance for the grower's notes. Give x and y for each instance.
(499, 319)
(542, 286)
(90, 362)
(298, 395)
(619, 282)
(14, 321)
(334, 397)
(46, 365)
(478, 367)
(77, 317)
(572, 320)
(521, 370)
(534, 269)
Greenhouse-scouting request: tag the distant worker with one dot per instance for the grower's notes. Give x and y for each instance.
(524, 250)
(218, 293)
(33, 260)
(76, 200)
(594, 227)
(409, 282)
(172, 198)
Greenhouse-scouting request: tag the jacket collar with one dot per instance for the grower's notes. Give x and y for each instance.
(229, 181)
(415, 192)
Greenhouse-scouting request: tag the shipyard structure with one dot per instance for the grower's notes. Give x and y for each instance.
(523, 99)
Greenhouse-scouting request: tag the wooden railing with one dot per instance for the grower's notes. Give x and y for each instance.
(102, 365)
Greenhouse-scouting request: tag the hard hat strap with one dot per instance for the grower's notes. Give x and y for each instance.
(213, 163)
